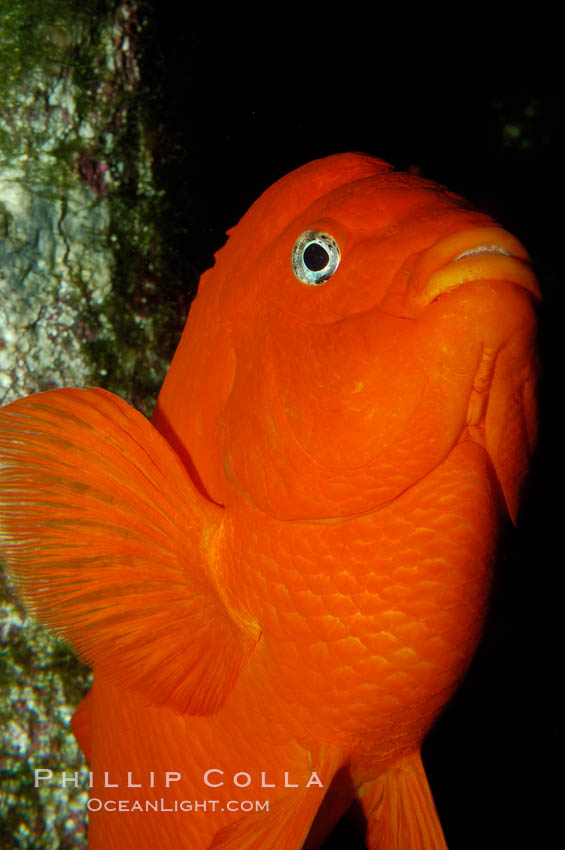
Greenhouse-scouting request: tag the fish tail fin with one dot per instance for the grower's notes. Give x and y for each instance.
(400, 810)
(111, 544)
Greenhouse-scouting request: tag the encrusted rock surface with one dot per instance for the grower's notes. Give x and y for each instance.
(80, 305)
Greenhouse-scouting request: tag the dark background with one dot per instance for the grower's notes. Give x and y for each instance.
(234, 109)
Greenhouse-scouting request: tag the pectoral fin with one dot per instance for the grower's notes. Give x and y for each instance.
(111, 544)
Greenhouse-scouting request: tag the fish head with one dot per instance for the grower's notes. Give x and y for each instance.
(362, 322)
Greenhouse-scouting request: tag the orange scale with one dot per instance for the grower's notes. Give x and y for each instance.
(281, 597)
(385, 643)
(369, 604)
(341, 605)
(345, 678)
(406, 657)
(349, 651)
(348, 582)
(308, 604)
(330, 628)
(372, 580)
(318, 583)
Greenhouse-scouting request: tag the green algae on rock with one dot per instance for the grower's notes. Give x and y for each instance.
(81, 303)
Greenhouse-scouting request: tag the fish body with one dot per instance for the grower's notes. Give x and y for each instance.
(281, 580)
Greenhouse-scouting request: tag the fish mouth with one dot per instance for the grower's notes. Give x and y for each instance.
(484, 253)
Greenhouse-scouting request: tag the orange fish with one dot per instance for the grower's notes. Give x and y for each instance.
(281, 580)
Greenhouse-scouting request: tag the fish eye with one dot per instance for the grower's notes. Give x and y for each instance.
(315, 257)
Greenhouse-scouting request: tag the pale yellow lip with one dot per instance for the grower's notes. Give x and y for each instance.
(484, 253)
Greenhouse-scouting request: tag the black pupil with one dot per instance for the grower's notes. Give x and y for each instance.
(316, 257)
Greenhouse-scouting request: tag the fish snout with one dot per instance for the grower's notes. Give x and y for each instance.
(483, 253)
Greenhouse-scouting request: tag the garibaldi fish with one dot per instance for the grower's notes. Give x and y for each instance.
(280, 580)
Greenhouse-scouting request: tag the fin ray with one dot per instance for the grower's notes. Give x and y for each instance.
(400, 810)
